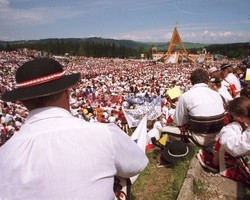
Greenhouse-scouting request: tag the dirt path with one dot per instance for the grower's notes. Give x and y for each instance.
(202, 185)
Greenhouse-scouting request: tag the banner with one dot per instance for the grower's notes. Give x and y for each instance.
(122, 186)
(140, 137)
(134, 116)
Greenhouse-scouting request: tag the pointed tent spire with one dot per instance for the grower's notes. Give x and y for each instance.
(176, 40)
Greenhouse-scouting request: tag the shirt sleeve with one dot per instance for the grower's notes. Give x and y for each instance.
(181, 113)
(234, 141)
(130, 160)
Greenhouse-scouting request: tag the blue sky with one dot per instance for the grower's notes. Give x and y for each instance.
(204, 21)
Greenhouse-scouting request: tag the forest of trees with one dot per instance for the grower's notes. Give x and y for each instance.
(112, 48)
(76, 48)
(234, 50)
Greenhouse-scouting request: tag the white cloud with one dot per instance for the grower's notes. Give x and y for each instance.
(164, 35)
(225, 34)
(4, 3)
(168, 35)
(220, 37)
(144, 35)
(35, 15)
(211, 34)
(129, 37)
(205, 32)
(5, 38)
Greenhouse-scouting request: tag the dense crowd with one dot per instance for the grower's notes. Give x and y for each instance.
(107, 85)
(103, 89)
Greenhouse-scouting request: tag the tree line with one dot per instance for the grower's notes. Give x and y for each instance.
(89, 49)
(235, 50)
(111, 50)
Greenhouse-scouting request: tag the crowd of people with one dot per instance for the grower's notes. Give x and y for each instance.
(108, 85)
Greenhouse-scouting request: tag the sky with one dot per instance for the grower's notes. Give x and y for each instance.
(203, 21)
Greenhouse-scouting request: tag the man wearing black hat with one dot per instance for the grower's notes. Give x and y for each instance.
(57, 156)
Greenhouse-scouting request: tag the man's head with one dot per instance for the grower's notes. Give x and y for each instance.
(226, 69)
(39, 78)
(199, 76)
(60, 99)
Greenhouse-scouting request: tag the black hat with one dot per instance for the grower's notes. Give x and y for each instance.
(176, 150)
(224, 66)
(38, 78)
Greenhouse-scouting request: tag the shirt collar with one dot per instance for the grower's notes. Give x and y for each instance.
(47, 112)
(200, 85)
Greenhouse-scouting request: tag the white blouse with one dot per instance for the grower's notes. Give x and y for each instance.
(234, 140)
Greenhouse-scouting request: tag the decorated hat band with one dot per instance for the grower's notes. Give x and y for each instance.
(43, 79)
(180, 155)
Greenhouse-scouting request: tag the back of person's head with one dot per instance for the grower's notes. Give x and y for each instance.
(238, 72)
(245, 92)
(215, 83)
(230, 69)
(40, 102)
(215, 80)
(218, 74)
(224, 69)
(199, 76)
(240, 107)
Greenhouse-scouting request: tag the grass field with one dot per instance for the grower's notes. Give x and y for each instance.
(159, 183)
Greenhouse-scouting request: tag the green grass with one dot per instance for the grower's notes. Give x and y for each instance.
(247, 193)
(179, 174)
(199, 187)
(160, 183)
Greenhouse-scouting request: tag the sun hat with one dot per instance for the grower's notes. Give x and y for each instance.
(40, 77)
(176, 150)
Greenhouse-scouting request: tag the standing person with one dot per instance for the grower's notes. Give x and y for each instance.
(55, 155)
(201, 108)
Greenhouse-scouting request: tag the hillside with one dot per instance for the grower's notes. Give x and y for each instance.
(97, 40)
(101, 47)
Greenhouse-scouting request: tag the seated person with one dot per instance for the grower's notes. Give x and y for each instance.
(201, 110)
(232, 151)
(231, 79)
(215, 84)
